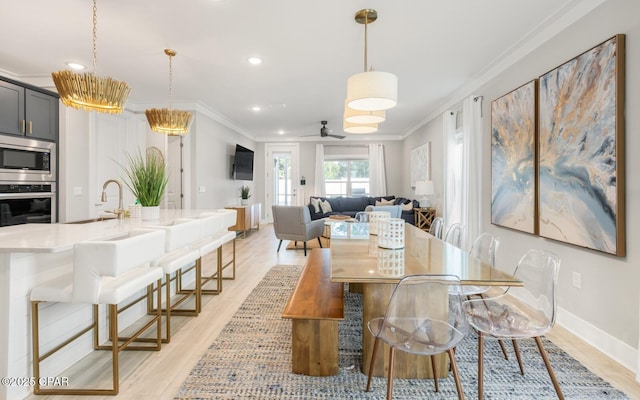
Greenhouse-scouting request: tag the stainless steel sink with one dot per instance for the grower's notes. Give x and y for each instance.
(88, 221)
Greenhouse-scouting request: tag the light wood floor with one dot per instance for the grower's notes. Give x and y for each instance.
(158, 375)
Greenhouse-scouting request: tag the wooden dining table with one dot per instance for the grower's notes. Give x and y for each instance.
(357, 259)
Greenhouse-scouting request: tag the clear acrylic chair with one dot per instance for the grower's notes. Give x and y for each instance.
(424, 316)
(484, 248)
(520, 312)
(436, 227)
(454, 235)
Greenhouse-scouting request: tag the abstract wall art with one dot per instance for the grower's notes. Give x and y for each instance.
(513, 162)
(420, 163)
(581, 150)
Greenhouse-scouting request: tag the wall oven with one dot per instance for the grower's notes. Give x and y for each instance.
(27, 160)
(27, 202)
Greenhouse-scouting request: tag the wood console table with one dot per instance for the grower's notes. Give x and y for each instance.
(247, 218)
(424, 217)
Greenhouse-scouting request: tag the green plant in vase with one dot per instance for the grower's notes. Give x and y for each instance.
(147, 178)
(244, 194)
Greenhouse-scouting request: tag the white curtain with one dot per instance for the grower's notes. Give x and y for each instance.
(377, 173)
(319, 186)
(450, 214)
(472, 167)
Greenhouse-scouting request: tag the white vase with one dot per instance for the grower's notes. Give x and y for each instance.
(150, 213)
(244, 202)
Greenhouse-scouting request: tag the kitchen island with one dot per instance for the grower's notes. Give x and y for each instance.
(31, 254)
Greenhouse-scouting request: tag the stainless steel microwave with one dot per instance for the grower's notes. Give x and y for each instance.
(24, 159)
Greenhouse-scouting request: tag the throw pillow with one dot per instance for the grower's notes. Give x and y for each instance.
(384, 202)
(316, 204)
(325, 206)
(407, 207)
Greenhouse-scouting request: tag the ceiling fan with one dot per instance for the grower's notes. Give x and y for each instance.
(324, 131)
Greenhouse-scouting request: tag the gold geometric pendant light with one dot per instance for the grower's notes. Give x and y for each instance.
(86, 91)
(169, 121)
(371, 90)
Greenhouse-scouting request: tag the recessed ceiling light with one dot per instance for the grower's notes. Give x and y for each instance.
(255, 60)
(281, 132)
(75, 66)
(256, 108)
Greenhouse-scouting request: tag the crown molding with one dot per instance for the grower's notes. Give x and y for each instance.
(541, 34)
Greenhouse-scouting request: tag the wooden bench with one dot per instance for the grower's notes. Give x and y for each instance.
(315, 307)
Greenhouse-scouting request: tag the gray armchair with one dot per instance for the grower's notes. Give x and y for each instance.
(294, 223)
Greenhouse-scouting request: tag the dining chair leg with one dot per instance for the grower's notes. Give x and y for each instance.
(480, 365)
(456, 374)
(500, 342)
(372, 362)
(279, 244)
(390, 373)
(435, 372)
(547, 363)
(517, 350)
(319, 241)
(504, 349)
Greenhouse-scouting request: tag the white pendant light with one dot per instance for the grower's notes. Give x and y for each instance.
(359, 128)
(362, 117)
(371, 90)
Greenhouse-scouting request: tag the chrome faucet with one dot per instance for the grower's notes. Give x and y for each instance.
(120, 211)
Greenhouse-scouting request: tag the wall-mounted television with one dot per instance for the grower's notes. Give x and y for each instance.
(243, 164)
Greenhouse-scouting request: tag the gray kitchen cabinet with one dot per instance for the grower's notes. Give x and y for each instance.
(28, 112)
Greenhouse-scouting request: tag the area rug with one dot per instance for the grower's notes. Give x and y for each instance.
(251, 359)
(311, 244)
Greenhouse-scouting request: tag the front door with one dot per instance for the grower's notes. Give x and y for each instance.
(282, 176)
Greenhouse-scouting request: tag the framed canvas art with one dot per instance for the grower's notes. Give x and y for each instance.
(581, 150)
(420, 163)
(513, 159)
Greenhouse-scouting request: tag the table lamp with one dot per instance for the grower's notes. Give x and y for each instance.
(424, 189)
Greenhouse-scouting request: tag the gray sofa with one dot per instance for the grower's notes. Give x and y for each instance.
(352, 205)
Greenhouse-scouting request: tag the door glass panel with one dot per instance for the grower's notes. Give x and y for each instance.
(282, 184)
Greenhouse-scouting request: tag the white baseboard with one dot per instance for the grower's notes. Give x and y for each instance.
(619, 351)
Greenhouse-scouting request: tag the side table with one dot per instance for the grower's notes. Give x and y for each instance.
(424, 217)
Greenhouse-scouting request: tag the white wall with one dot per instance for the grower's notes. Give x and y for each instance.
(430, 132)
(605, 310)
(209, 156)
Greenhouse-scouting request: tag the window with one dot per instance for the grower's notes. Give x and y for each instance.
(346, 178)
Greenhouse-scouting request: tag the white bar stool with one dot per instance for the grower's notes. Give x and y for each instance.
(181, 234)
(104, 272)
(213, 236)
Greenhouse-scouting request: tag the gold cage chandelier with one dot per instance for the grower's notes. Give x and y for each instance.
(86, 91)
(169, 121)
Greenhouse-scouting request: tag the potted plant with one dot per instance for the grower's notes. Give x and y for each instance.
(244, 195)
(147, 178)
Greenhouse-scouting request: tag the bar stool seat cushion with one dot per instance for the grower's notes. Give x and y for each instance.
(57, 290)
(177, 259)
(116, 290)
(227, 237)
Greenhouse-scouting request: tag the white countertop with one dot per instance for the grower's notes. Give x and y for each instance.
(53, 238)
